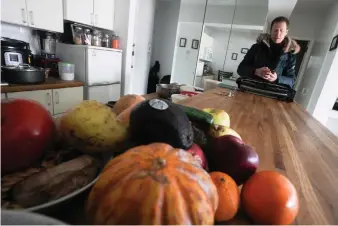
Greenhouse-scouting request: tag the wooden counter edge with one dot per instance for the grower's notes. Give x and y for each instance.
(47, 85)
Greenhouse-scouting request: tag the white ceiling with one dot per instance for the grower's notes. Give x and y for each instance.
(287, 7)
(280, 8)
(311, 6)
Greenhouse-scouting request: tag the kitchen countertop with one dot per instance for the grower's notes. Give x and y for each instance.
(50, 83)
(288, 140)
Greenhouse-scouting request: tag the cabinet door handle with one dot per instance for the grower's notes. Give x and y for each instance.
(48, 99)
(32, 17)
(23, 14)
(57, 99)
(96, 19)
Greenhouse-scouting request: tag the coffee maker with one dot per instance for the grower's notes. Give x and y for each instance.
(47, 59)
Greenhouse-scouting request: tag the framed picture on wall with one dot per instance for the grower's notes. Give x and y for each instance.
(244, 50)
(334, 43)
(234, 56)
(183, 42)
(195, 43)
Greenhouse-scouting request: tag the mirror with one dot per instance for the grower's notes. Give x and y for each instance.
(188, 36)
(248, 24)
(219, 15)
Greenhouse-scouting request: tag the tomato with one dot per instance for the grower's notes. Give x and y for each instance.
(27, 129)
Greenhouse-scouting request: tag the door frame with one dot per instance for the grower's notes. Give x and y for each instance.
(305, 61)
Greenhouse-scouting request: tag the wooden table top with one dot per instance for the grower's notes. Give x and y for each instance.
(50, 83)
(288, 140)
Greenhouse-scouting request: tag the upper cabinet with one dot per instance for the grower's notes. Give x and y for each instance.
(81, 11)
(98, 13)
(40, 14)
(14, 11)
(45, 14)
(104, 13)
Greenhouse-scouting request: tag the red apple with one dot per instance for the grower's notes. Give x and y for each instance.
(230, 155)
(27, 129)
(198, 154)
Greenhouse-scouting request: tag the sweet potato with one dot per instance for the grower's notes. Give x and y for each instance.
(125, 102)
(56, 182)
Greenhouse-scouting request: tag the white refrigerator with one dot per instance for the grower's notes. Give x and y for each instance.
(98, 67)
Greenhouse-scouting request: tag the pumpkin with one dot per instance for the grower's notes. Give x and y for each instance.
(153, 184)
(126, 102)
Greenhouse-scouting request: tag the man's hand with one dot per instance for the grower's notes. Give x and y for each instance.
(262, 72)
(266, 73)
(271, 76)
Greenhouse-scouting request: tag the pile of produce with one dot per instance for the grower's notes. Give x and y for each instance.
(37, 167)
(169, 164)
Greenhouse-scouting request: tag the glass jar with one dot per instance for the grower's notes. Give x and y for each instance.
(105, 41)
(96, 38)
(115, 43)
(87, 37)
(77, 36)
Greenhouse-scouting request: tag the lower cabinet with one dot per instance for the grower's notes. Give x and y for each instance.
(65, 98)
(56, 101)
(44, 97)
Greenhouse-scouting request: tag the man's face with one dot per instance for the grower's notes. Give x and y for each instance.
(278, 32)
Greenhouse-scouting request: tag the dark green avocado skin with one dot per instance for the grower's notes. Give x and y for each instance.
(170, 126)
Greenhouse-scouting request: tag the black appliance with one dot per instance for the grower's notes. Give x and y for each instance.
(263, 88)
(15, 52)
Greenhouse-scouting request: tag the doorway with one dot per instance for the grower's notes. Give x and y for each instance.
(301, 61)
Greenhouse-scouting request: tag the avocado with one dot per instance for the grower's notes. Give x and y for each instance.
(159, 120)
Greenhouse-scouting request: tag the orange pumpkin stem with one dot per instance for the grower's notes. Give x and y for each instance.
(159, 163)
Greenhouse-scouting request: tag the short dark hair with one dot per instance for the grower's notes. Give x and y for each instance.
(280, 19)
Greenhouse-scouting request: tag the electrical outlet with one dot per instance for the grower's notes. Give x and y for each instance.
(304, 91)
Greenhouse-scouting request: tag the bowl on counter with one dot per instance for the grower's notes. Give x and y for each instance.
(166, 90)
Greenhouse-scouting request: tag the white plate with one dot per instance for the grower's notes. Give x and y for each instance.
(11, 217)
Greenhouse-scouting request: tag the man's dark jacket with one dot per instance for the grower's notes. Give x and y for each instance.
(261, 55)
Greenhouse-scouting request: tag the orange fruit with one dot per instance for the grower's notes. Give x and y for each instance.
(270, 198)
(228, 194)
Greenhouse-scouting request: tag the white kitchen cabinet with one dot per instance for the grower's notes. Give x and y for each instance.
(98, 13)
(41, 14)
(44, 97)
(66, 98)
(45, 14)
(81, 11)
(104, 13)
(14, 11)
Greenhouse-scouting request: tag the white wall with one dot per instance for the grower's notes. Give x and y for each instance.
(165, 28)
(320, 79)
(143, 39)
(21, 33)
(121, 27)
(305, 25)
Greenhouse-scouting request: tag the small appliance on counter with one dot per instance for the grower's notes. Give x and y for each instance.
(15, 52)
(48, 63)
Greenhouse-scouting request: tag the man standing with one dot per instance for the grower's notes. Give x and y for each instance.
(272, 58)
